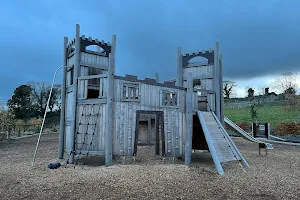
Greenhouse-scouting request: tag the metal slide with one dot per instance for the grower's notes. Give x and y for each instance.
(244, 134)
(220, 145)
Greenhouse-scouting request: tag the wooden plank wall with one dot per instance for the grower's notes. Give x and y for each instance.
(206, 72)
(150, 99)
(93, 59)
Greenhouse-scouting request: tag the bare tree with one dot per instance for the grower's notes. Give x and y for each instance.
(286, 82)
(228, 88)
(40, 93)
(7, 121)
(287, 85)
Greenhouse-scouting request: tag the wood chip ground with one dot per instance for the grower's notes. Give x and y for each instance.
(275, 176)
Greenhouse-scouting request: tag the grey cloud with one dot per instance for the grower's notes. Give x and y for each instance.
(256, 37)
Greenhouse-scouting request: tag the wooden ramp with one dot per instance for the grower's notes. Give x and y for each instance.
(219, 142)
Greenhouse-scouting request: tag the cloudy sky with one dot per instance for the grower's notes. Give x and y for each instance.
(258, 39)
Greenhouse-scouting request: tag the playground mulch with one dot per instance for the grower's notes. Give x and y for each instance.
(275, 176)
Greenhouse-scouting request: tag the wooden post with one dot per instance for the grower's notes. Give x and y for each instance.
(179, 80)
(113, 51)
(221, 91)
(110, 106)
(254, 130)
(156, 77)
(157, 140)
(217, 80)
(149, 130)
(267, 130)
(189, 120)
(75, 84)
(63, 104)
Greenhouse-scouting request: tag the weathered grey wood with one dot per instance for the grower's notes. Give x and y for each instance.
(203, 90)
(179, 68)
(109, 126)
(92, 77)
(149, 130)
(90, 152)
(113, 51)
(221, 88)
(91, 101)
(217, 81)
(224, 150)
(156, 77)
(189, 121)
(63, 103)
(75, 85)
(98, 66)
(201, 77)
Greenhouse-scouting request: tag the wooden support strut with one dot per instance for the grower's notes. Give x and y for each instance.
(109, 113)
(189, 120)
(75, 85)
(179, 68)
(217, 84)
(63, 104)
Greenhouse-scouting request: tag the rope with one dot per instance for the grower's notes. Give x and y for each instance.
(85, 120)
(95, 126)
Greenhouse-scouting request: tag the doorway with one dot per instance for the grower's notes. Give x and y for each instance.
(149, 130)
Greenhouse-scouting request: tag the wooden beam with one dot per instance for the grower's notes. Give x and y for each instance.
(200, 77)
(74, 96)
(179, 81)
(221, 91)
(189, 120)
(113, 51)
(98, 66)
(156, 77)
(63, 104)
(217, 81)
(109, 112)
(91, 101)
(92, 77)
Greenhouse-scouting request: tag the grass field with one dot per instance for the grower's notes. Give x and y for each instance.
(272, 114)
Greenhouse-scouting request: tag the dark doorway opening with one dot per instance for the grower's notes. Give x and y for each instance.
(199, 141)
(148, 136)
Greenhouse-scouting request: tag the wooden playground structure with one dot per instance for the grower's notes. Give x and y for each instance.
(106, 114)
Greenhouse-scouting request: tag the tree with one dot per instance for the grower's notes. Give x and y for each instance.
(286, 82)
(20, 104)
(254, 112)
(7, 121)
(287, 85)
(228, 88)
(54, 100)
(40, 94)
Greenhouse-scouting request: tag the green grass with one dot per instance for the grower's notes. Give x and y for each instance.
(272, 114)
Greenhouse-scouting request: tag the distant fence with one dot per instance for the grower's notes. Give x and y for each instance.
(245, 104)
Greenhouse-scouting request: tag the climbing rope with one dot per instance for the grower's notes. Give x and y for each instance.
(86, 119)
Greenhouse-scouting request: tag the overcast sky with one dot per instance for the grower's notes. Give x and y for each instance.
(258, 39)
